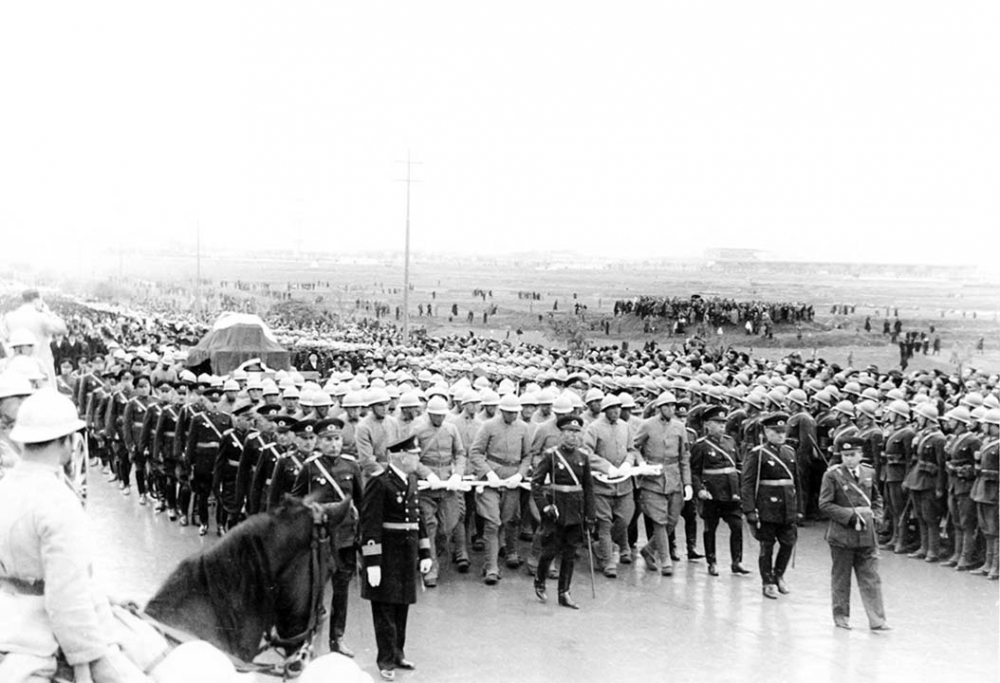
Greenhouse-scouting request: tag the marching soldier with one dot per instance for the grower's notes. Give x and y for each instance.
(193, 406)
(984, 493)
(332, 477)
(375, 432)
(960, 451)
(204, 441)
(849, 497)
(255, 443)
(845, 413)
(768, 495)
(715, 475)
(227, 464)
(289, 463)
(263, 473)
(442, 459)
(147, 442)
(133, 420)
(926, 482)
(563, 491)
(394, 546)
(801, 437)
(164, 462)
(114, 422)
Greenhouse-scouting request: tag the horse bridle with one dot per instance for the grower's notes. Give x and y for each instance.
(295, 662)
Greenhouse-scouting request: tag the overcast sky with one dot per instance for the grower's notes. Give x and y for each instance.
(817, 130)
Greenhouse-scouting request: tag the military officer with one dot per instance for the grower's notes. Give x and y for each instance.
(332, 477)
(375, 432)
(133, 419)
(147, 442)
(898, 448)
(288, 464)
(768, 494)
(564, 493)
(926, 482)
(269, 455)
(960, 450)
(204, 440)
(394, 547)
(164, 462)
(715, 475)
(849, 496)
(984, 492)
(227, 464)
(257, 441)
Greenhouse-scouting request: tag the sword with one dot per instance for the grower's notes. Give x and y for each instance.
(590, 556)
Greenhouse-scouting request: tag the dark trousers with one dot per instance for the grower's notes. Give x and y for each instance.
(768, 533)
(201, 487)
(864, 563)
(140, 475)
(562, 541)
(712, 511)
(341, 579)
(390, 632)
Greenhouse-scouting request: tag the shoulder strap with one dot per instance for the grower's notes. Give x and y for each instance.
(559, 455)
(719, 450)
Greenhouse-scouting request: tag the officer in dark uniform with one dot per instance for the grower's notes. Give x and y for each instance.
(227, 463)
(255, 443)
(768, 494)
(146, 443)
(926, 481)
(290, 463)
(332, 477)
(960, 450)
(204, 440)
(164, 437)
(133, 418)
(898, 448)
(564, 494)
(394, 544)
(185, 417)
(715, 475)
(266, 461)
(850, 498)
(114, 423)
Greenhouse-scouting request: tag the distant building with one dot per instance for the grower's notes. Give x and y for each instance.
(736, 255)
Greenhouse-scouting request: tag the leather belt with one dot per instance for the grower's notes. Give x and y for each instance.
(170, 435)
(505, 463)
(22, 586)
(207, 444)
(233, 463)
(401, 526)
(565, 488)
(720, 470)
(776, 482)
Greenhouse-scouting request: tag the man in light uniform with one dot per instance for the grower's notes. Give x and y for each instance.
(34, 316)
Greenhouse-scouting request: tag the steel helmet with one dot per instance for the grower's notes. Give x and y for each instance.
(990, 401)
(776, 397)
(435, 406)
(900, 408)
(14, 384)
(409, 400)
(992, 417)
(823, 397)
(22, 337)
(927, 411)
(977, 414)
(973, 399)
(755, 399)
(627, 400)
(491, 398)
(853, 388)
(797, 396)
(376, 396)
(867, 408)
(471, 396)
(510, 403)
(562, 405)
(352, 399)
(44, 416)
(815, 385)
(320, 398)
(959, 414)
(231, 385)
(529, 398)
(896, 394)
(610, 401)
(845, 408)
(870, 394)
(666, 398)
(593, 395)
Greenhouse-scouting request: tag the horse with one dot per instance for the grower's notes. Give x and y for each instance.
(263, 580)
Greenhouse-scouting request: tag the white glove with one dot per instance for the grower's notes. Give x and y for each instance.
(435, 481)
(374, 576)
(513, 480)
(612, 472)
(688, 492)
(704, 494)
(625, 469)
(492, 478)
(454, 483)
(425, 566)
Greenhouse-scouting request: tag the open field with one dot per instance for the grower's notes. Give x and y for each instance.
(961, 311)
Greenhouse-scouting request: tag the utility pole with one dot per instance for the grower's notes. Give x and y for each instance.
(197, 262)
(406, 252)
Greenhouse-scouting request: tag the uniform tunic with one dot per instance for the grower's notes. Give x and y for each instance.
(371, 439)
(985, 488)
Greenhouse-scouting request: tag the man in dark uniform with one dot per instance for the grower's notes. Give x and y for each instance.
(802, 439)
(393, 539)
(850, 498)
(164, 437)
(985, 492)
(898, 447)
(563, 491)
(960, 451)
(255, 443)
(114, 413)
(227, 463)
(133, 419)
(260, 485)
(290, 463)
(185, 416)
(147, 442)
(715, 475)
(204, 440)
(332, 477)
(768, 494)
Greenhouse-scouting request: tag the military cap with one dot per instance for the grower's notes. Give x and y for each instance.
(285, 423)
(850, 444)
(304, 428)
(774, 421)
(407, 445)
(714, 413)
(329, 426)
(570, 422)
(242, 406)
(268, 410)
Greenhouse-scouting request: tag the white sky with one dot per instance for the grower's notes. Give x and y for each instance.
(816, 130)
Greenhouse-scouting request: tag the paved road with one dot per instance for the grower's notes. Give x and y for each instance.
(641, 626)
